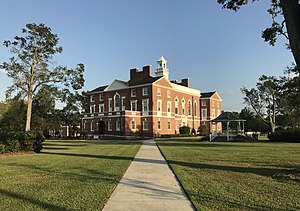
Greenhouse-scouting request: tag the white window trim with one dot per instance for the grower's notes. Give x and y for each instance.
(131, 93)
(92, 126)
(203, 103)
(169, 124)
(169, 112)
(101, 98)
(159, 112)
(110, 106)
(92, 107)
(202, 113)
(168, 93)
(101, 105)
(135, 102)
(158, 91)
(176, 101)
(123, 99)
(134, 129)
(92, 98)
(158, 128)
(145, 121)
(145, 88)
(144, 111)
(115, 107)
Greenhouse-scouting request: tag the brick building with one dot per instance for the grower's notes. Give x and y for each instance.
(211, 107)
(146, 104)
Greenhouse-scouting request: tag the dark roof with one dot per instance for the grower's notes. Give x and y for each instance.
(143, 81)
(207, 94)
(227, 117)
(99, 89)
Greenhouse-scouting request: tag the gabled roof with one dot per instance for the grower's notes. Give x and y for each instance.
(227, 117)
(207, 94)
(99, 89)
(116, 85)
(148, 80)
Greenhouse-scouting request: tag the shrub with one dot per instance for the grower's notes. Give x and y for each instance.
(2, 148)
(203, 130)
(184, 130)
(177, 135)
(285, 136)
(14, 142)
(12, 146)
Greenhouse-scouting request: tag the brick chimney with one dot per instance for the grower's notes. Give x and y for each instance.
(136, 75)
(147, 71)
(133, 72)
(185, 82)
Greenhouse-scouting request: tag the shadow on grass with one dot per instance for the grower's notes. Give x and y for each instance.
(107, 157)
(260, 171)
(85, 142)
(44, 205)
(55, 148)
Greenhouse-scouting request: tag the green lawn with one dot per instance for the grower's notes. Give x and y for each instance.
(68, 175)
(237, 176)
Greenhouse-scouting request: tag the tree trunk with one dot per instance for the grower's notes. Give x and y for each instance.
(29, 109)
(291, 13)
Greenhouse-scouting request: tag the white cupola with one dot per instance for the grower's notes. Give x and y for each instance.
(162, 69)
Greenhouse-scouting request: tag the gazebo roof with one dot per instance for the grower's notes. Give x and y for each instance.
(227, 117)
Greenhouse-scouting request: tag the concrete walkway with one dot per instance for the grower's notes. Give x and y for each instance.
(148, 184)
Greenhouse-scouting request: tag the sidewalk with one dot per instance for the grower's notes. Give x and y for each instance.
(148, 184)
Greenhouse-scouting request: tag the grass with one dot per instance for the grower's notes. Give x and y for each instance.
(237, 176)
(67, 175)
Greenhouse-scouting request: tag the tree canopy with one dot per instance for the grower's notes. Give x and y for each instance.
(32, 66)
(285, 21)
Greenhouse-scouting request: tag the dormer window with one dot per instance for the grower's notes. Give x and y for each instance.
(100, 97)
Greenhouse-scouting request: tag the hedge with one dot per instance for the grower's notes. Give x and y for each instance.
(285, 136)
(14, 142)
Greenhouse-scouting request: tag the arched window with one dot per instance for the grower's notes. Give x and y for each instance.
(195, 108)
(117, 102)
(176, 105)
(189, 108)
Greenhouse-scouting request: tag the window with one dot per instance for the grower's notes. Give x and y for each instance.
(92, 109)
(110, 104)
(204, 113)
(169, 107)
(133, 105)
(101, 108)
(92, 98)
(203, 103)
(213, 113)
(123, 103)
(145, 91)
(118, 125)
(159, 106)
(158, 92)
(158, 125)
(92, 126)
(100, 97)
(176, 105)
(177, 126)
(183, 107)
(117, 102)
(145, 106)
(133, 93)
(169, 125)
(195, 108)
(218, 112)
(145, 125)
(109, 125)
(213, 103)
(189, 108)
(169, 93)
(133, 124)
(84, 125)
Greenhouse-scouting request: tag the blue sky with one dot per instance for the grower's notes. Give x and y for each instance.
(219, 50)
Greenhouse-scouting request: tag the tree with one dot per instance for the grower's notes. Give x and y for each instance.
(32, 65)
(264, 99)
(253, 122)
(290, 10)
